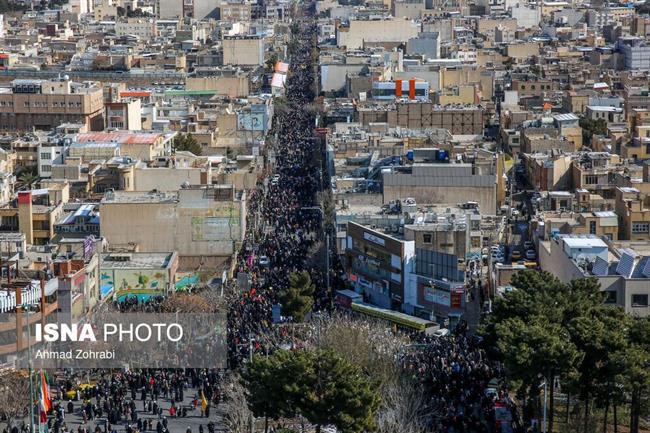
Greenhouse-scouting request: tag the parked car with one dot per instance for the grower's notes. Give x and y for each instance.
(531, 255)
(516, 254)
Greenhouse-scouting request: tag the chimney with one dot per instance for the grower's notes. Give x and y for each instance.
(25, 224)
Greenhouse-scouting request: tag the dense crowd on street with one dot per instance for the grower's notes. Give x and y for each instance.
(460, 384)
(285, 220)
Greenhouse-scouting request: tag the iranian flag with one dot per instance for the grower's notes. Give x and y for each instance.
(45, 403)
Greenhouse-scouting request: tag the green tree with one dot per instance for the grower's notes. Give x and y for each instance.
(186, 142)
(537, 347)
(637, 374)
(297, 299)
(592, 127)
(269, 391)
(337, 393)
(27, 180)
(318, 384)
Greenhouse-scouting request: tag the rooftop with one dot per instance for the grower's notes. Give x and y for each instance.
(136, 260)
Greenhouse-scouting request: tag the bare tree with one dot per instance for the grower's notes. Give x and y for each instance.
(14, 395)
(237, 415)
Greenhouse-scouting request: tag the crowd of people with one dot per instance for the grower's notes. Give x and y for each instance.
(284, 215)
(461, 386)
(138, 401)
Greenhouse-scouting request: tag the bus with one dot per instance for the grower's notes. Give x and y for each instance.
(399, 319)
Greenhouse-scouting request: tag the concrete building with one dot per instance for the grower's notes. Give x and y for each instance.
(362, 33)
(466, 120)
(124, 115)
(426, 44)
(622, 269)
(199, 222)
(377, 264)
(445, 183)
(142, 274)
(410, 9)
(391, 90)
(636, 53)
(143, 28)
(144, 146)
(46, 104)
(243, 50)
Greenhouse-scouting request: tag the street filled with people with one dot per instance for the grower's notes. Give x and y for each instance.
(284, 214)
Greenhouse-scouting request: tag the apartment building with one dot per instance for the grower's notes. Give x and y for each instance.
(41, 104)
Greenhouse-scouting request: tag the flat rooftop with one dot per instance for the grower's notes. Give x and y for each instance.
(138, 197)
(136, 260)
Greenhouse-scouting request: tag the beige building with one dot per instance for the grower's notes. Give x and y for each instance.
(198, 222)
(243, 50)
(234, 86)
(361, 33)
(235, 12)
(41, 104)
(124, 115)
(144, 28)
(633, 209)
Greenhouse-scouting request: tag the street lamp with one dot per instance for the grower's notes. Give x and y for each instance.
(27, 308)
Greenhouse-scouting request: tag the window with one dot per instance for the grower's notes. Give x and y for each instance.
(592, 227)
(640, 227)
(427, 238)
(639, 300)
(46, 155)
(611, 296)
(26, 103)
(591, 179)
(46, 168)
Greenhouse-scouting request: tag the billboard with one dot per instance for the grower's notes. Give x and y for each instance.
(251, 121)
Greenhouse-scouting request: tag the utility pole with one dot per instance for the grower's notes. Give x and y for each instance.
(31, 380)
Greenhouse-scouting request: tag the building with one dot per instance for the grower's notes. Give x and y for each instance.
(145, 146)
(636, 53)
(201, 223)
(34, 213)
(364, 33)
(391, 90)
(377, 265)
(125, 115)
(43, 104)
(141, 274)
(445, 183)
(464, 120)
(622, 269)
(243, 50)
(426, 44)
(143, 28)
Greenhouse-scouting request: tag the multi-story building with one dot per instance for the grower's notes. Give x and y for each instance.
(243, 50)
(201, 223)
(621, 268)
(41, 104)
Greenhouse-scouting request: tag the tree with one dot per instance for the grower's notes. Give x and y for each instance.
(186, 142)
(14, 395)
(270, 392)
(537, 347)
(637, 373)
(297, 299)
(27, 180)
(236, 412)
(337, 392)
(592, 127)
(318, 384)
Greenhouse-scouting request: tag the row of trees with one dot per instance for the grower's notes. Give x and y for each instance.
(319, 385)
(549, 332)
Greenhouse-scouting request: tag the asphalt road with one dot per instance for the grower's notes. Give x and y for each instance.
(175, 425)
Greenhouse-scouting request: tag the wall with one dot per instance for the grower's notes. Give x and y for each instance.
(146, 282)
(362, 32)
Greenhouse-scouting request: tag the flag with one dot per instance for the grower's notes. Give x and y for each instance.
(204, 402)
(46, 404)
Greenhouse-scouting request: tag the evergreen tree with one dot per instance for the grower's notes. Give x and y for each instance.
(186, 142)
(297, 299)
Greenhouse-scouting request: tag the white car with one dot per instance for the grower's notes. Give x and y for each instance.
(264, 261)
(275, 180)
(530, 255)
(442, 332)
